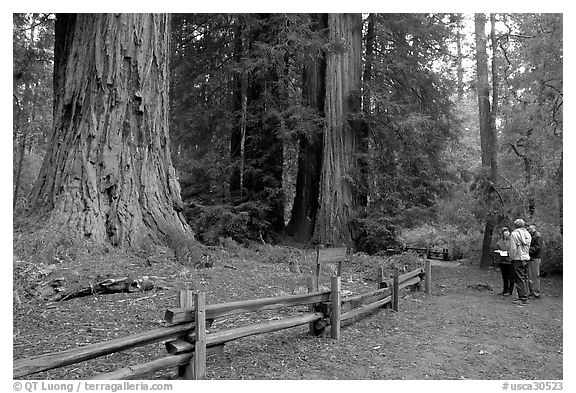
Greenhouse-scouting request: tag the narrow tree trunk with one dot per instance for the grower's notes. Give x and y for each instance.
(108, 174)
(487, 129)
(341, 136)
(238, 106)
(28, 101)
(494, 110)
(559, 183)
(483, 88)
(459, 67)
(305, 208)
(362, 188)
(21, 152)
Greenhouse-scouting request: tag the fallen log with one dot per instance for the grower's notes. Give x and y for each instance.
(102, 285)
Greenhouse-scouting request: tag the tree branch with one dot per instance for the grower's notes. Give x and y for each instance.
(516, 150)
(517, 192)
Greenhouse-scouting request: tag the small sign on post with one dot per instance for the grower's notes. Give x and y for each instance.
(330, 255)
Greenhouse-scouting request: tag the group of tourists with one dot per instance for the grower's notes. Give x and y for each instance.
(520, 257)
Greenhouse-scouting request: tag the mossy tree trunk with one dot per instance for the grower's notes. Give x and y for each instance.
(342, 134)
(108, 174)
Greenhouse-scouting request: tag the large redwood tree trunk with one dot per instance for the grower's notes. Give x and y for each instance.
(108, 174)
(342, 135)
(305, 207)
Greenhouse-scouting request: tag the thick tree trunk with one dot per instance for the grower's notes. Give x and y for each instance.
(108, 174)
(305, 207)
(341, 136)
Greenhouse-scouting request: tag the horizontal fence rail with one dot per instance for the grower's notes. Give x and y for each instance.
(186, 314)
(187, 349)
(23, 367)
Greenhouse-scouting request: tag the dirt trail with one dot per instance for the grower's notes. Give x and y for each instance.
(457, 333)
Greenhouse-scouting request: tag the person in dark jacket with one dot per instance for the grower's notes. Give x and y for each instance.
(506, 269)
(534, 263)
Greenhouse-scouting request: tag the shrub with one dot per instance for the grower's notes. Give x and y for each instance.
(374, 233)
(552, 250)
(243, 223)
(461, 244)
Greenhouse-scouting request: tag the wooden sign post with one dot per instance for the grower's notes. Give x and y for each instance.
(330, 255)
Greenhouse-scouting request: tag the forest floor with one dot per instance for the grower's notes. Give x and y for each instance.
(462, 330)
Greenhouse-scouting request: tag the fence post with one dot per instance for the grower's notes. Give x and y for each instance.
(395, 290)
(336, 305)
(311, 288)
(427, 277)
(200, 350)
(186, 299)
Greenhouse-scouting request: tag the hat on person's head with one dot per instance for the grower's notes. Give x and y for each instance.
(519, 223)
(504, 229)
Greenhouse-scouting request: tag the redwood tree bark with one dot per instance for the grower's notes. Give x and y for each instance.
(342, 135)
(108, 174)
(305, 207)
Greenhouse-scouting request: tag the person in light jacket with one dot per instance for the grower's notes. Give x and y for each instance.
(519, 254)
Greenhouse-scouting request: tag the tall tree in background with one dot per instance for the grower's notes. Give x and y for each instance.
(256, 145)
(459, 53)
(305, 207)
(487, 119)
(338, 200)
(108, 174)
(483, 87)
(32, 91)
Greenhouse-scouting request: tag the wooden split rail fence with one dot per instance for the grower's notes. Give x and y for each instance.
(188, 343)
